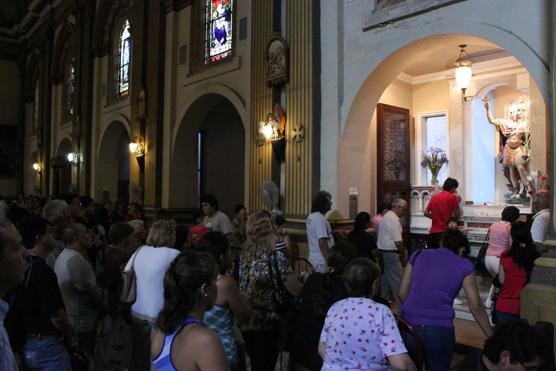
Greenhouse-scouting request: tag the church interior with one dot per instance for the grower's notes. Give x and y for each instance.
(159, 105)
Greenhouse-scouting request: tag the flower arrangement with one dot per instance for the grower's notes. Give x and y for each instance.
(433, 160)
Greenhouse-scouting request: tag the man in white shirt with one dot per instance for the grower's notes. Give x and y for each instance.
(392, 251)
(215, 220)
(319, 232)
(541, 220)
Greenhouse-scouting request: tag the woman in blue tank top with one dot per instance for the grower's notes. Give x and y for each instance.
(180, 341)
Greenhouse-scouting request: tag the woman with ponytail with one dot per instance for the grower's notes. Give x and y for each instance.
(180, 341)
(320, 291)
(515, 269)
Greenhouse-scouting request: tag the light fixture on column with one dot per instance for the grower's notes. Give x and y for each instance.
(37, 167)
(137, 147)
(463, 69)
(74, 158)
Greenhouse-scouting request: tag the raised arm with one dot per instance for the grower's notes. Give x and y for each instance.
(489, 114)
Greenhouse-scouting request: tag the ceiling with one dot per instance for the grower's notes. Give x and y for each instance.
(443, 57)
(12, 12)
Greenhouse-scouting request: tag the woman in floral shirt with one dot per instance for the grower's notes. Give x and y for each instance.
(358, 333)
(256, 286)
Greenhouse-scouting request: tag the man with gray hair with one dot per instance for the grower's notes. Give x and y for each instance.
(391, 251)
(57, 213)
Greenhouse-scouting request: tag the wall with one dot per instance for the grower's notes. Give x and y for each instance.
(10, 106)
(363, 53)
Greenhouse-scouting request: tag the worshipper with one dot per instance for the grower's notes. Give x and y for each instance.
(366, 244)
(377, 218)
(138, 226)
(56, 212)
(135, 212)
(319, 232)
(118, 211)
(123, 243)
(514, 345)
(215, 220)
(198, 230)
(41, 328)
(441, 207)
(515, 269)
(498, 241)
(432, 279)
(282, 237)
(12, 271)
(453, 223)
(180, 341)
(150, 263)
(77, 281)
(391, 251)
(255, 284)
(182, 237)
(239, 218)
(163, 214)
(229, 302)
(359, 333)
(319, 292)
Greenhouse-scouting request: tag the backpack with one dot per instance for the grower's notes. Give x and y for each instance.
(114, 346)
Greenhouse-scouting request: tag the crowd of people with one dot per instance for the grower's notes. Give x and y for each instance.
(212, 294)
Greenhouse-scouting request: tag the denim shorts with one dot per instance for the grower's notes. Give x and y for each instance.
(46, 353)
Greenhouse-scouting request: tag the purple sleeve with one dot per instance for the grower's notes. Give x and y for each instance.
(466, 267)
(413, 257)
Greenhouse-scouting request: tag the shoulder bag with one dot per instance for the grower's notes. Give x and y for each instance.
(128, 293)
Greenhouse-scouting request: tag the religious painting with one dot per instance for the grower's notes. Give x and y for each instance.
(8, 151)
(277, 61)
(218, 30)
(393, 161)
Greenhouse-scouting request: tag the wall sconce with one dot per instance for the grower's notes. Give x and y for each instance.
(74, 158)
(463, 69)
(137, 147)
(37, 167)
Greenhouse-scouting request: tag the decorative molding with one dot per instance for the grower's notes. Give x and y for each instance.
(175, 5)
(234, 64)
(277, 61)
(498, 66)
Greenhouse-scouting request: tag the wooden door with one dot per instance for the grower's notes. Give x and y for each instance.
(393, 157)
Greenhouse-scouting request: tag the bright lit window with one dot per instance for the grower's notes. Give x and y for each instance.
(123, 59)
(218, 30)
(435, 134)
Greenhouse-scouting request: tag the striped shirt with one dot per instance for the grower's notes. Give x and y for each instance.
(499, 238)
(7, 360)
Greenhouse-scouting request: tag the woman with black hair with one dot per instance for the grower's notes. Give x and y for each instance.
(515, 269)
(180, 341)
(320, 291)
(365, 243)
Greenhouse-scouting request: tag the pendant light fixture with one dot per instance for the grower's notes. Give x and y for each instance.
(463, 69)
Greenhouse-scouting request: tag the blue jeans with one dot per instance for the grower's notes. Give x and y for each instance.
(391, 277)
(439, 343)
(46, 354)
(503, 317)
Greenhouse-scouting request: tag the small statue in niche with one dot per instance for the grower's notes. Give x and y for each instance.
(514, 137)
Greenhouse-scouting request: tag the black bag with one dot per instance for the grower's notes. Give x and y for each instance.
(285, 308)
(480, 260)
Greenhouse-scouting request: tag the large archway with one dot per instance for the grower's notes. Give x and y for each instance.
(112, 163)
(208, 155)
(357, 151)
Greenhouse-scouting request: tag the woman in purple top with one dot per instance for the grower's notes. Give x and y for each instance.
(358, 333)
(431, 281)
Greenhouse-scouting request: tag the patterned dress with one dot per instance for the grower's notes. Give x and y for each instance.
(359, 334)
(219, 319)
(256, 287)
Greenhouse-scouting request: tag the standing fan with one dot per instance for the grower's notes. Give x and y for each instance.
(271, 196)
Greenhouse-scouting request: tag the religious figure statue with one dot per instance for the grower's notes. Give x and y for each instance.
(514, 152)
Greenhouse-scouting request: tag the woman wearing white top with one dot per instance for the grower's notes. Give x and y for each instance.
(150, 263)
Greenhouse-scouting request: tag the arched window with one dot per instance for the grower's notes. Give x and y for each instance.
(69, 89)
(123, 59)
(218, 32)
(35, 124)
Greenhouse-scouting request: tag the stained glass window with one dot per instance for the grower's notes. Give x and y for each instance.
(218, 30)
(70, 88)
(123, 61)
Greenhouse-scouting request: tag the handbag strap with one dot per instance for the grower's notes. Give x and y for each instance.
(132, 269)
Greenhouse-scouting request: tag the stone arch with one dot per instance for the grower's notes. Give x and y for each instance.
(64, 147)
(112, 162)
(401, 53)
(64, 44)
(109, 12)
(223, 123)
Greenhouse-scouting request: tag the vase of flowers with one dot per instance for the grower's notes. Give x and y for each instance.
(433, 160)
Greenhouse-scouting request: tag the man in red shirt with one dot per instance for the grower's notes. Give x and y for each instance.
(441, 207)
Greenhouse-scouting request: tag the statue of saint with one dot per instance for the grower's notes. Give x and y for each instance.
(514, 132)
